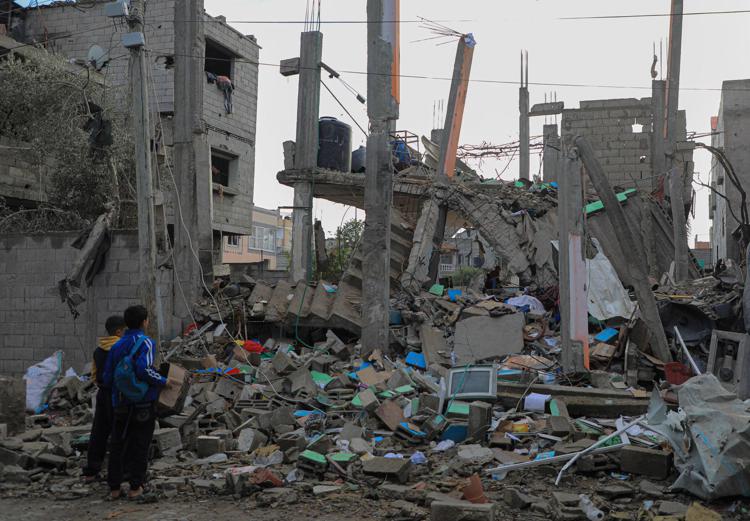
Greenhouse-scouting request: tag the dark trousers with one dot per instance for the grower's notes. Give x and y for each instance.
(132, 431)
(100, 430)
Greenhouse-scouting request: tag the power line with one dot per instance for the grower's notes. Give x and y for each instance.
(479, 80)
(652, 15)
(343, 107)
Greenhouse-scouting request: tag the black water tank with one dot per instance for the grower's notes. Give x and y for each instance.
(335, 148)
(359, 160)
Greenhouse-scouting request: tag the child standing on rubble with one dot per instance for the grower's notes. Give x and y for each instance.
(135, 386)
(102, 424)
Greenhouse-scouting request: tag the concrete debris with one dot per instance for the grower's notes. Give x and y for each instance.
(301, 414)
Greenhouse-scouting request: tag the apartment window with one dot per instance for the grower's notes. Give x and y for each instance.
(233, 241)
(219, 59)
(222, 167)
(263, 239)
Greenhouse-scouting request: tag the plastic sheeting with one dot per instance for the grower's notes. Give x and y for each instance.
(40, 379)
(710, 437)
(606, 294)
(607, 297)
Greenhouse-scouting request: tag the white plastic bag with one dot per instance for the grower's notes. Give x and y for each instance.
(40, 379)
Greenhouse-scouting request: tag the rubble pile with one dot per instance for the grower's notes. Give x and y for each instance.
(473, 417)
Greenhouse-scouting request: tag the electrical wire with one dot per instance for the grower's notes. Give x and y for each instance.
(480, 80)
(653, 15)
(344, 108)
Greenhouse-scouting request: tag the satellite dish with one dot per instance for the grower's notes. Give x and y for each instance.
(98, 57)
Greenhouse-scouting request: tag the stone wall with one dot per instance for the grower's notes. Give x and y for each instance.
(33, 320)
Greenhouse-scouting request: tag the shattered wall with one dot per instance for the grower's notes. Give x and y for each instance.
(34, 323)
(625, 155)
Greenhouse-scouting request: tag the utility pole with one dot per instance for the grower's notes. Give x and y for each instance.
(672, 95)
(193, 224)
(382, 109)
(144, 180)
(306, 153)
(573, 276)
(523, 119)
(631, 248)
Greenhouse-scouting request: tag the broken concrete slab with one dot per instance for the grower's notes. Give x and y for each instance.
(486, 338)
(390, 414)
(475, 454)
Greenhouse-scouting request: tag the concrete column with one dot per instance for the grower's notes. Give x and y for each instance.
(551, 156)
(382, 109)
(193, 222)
(523, 121)
(681, 266)
(573, 276)
(417, 272)
(306, 154)
(631, 248)
(658, 110)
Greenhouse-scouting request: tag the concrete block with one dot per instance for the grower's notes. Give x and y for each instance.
(208, 445)
(480, 418)
(250, 439)
(168, 441)
(462, 511)
(647, 462)
(393, 468)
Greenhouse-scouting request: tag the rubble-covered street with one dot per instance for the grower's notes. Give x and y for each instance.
(552, 328)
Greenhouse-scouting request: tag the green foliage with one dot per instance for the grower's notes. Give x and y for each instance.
(464, 275)
(347, 239)
(50, 107)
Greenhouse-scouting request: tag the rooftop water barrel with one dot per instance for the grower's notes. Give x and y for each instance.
(335, 145)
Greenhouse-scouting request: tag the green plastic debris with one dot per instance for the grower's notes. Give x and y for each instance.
(404, 389)
(343, 457)
(357, 401)
(387, 394)
(598, 205)
(321, 379)
(437, 289)
(460, 408)
(313, 456)
(519, 184)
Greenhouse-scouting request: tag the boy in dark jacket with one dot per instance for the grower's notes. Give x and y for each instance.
(133, 425)
(102, 425)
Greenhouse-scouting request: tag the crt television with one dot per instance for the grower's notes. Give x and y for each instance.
(477, 382)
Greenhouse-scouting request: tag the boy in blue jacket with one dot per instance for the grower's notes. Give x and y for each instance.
(133, 423)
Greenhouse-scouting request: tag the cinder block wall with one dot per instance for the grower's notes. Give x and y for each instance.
(34, 323)
(608, 125)
(624, 155)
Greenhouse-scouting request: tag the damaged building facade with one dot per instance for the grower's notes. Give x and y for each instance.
(730, 133)
(89, 39)
(231, 126)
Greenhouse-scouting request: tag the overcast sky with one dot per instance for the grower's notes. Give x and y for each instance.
(613, 53)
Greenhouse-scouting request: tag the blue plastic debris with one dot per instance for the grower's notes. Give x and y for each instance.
(607, 335)
(453, 294)
(416, 360)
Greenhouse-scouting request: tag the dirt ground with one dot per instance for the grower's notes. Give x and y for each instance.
(214, 509)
